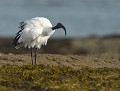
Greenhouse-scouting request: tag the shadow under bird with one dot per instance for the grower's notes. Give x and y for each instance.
(34, 33)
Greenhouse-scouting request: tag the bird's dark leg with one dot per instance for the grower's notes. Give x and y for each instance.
(35, 55)
(32, 56)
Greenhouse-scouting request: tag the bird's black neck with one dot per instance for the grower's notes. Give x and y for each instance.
(55, 27)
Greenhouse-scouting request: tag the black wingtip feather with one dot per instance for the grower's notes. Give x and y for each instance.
(19, 33)
(15, 41)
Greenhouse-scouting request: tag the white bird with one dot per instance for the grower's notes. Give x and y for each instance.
(34, 33)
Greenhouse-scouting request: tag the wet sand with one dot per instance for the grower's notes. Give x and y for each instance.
(74, 61)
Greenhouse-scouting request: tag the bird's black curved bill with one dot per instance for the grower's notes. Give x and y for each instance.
(64, 29)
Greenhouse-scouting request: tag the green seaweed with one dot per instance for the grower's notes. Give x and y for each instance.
(58, 78)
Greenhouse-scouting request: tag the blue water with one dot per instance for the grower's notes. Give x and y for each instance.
(81, 17)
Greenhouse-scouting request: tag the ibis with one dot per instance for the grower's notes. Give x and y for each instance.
(34, 33)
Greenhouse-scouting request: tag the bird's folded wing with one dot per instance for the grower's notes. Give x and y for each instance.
(30, 34)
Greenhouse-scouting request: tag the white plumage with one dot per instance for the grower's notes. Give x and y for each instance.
(34, 33)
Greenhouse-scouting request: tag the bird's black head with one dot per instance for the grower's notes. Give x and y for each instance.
(59, 25)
